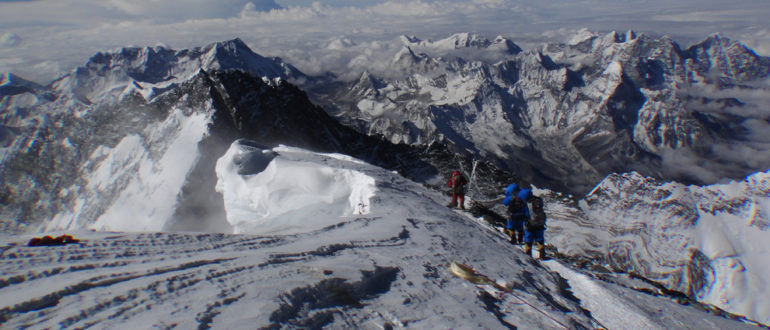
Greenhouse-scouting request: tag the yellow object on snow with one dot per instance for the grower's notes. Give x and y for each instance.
(468, 273)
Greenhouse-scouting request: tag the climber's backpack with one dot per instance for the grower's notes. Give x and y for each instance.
(536, 219)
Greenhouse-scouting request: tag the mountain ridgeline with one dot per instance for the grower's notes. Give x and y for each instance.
(150, 124)
(565, 115)
(562, 116)
(130, 142)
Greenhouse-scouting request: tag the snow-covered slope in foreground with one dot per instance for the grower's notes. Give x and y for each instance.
(380, 265)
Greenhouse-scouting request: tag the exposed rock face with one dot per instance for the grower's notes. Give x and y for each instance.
(566, 115)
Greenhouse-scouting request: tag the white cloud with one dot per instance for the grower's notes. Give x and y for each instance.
(9, 39)
(189, 9)
(704, 16)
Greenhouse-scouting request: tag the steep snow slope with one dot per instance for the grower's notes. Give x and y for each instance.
(132, 110)
(709, 242)
(385, 268)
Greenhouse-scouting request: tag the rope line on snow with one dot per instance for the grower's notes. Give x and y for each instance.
(469, 274)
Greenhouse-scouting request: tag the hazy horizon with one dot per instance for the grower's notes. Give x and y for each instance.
(43, 39)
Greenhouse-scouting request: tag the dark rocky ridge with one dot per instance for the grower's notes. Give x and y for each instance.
(243, 106)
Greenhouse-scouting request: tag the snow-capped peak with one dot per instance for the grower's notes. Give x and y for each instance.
(405, 55)
(459, 41)
(463, 40)
(106, 75)
(232, 47)
(506, 44)
(731, 59)
(410, 40)
(582, 36)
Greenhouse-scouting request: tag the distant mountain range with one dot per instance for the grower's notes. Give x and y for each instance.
(129, 140)
(567, 115)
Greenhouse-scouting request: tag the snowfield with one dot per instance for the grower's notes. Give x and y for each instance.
(326, 241)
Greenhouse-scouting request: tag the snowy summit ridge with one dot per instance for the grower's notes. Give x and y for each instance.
(155, 69)
(365, 267)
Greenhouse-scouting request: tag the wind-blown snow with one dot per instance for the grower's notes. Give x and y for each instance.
(144, 187)
(608, 309)
(288, 191)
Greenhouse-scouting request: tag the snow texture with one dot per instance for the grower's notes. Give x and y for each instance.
(384, 266)
(707, 242)
(281, 190)
(327, 240)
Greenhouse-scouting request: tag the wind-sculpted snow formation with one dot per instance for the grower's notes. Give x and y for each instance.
(709, 242)
(567, 115)
(324, 193)
(384, 266)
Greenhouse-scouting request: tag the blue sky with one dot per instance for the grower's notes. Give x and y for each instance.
(42, 39)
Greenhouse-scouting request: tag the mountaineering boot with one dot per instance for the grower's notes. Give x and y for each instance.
(541, 250)
(520, 235)
(512, 236)
(528, 249)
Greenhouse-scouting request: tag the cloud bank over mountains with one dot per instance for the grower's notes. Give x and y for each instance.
(59, 35)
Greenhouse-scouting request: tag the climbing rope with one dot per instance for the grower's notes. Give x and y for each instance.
(471, 275)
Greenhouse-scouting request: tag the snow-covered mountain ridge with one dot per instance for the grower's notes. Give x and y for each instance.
(145, 126)
(381, 266)
(566, 115)
(117, 146)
